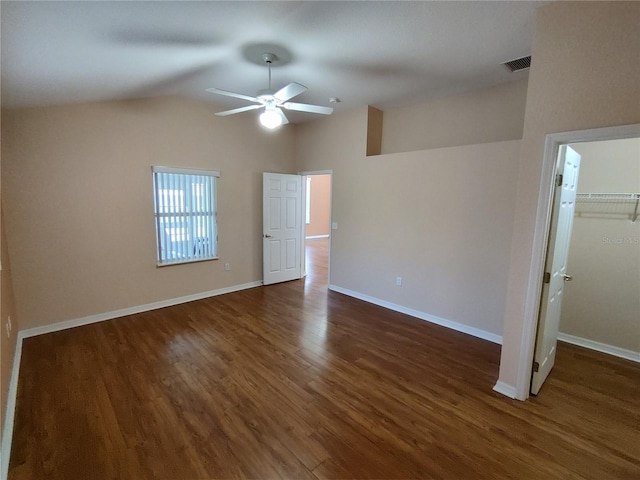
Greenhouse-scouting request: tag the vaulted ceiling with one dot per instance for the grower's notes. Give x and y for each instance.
(365, 53)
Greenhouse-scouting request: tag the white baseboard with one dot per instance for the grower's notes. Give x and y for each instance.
(476, 332)
(311, 237)
(600, 347)
(505, 389)
(100, 317)
(10, 410)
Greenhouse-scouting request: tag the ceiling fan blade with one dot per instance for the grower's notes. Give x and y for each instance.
(232, 94)
(238, 110)
(289, 91)
(304, 107)
(285, 120)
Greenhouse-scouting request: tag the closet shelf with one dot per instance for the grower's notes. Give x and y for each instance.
(610, 205)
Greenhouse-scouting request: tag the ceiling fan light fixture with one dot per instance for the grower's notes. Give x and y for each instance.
(273, 101)
(270, 119)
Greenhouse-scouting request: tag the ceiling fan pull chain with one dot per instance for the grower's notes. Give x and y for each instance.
(269, 63)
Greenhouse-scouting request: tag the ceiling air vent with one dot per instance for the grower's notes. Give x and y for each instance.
(518, 64)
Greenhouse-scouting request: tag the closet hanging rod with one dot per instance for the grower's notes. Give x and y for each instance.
(606, 196)
(613, 198)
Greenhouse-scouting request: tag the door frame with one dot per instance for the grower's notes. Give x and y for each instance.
(303, 256)
(541, 238)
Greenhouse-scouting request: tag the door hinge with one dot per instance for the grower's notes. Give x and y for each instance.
(547, 277)
(559, 180)
(536, 366)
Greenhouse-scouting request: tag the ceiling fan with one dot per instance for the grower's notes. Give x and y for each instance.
(273, 101)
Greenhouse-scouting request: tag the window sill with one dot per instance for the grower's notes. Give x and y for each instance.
(184, 262)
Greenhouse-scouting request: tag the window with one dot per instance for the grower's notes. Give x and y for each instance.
(185, 211)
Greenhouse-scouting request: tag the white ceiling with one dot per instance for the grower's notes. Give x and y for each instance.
(366, 53)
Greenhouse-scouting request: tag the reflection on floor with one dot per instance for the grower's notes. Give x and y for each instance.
(317, 260)
(295, 381)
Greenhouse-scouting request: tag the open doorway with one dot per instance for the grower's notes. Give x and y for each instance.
(601, 304)
(317, 226)
(598, 308)
(534, 272)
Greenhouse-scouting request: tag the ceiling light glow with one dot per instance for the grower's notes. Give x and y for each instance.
(270, 119)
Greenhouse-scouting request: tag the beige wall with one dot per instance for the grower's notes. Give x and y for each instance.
(441, 219)
(487, 115)
(602, 303)
(7, 308)
(320, 206)
(77, 190)
(609, 166)
(584, 75)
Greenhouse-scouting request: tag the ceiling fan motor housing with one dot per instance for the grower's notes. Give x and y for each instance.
(265, 94)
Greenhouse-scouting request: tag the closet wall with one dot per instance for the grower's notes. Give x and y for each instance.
(602, 302)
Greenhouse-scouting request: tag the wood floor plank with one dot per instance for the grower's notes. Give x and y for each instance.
(295, 381)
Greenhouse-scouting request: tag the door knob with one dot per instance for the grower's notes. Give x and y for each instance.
(267, 235)
(567, 278)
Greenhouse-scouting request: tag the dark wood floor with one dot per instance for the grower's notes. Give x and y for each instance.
(292, 381)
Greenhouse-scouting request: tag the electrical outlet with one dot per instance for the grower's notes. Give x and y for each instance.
(227, 266)
(398, 281)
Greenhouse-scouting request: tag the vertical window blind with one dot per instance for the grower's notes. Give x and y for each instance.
(185, 214)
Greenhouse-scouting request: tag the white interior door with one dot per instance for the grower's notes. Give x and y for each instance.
(556, 266)
(282, 227)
